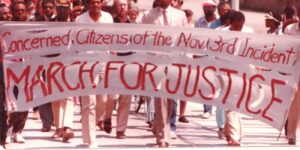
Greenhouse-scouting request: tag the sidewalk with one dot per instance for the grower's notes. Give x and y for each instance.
(199, 133)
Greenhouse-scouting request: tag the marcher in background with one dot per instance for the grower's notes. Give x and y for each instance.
(121, 10)
(63, 109)
(161, 15)
(77, 10)
(209, 9)
(45, 110)
(289, 14)
(182, 106)
(273, 21)
(233, 127)
(133, 14)
(5, 15)
(293, 116)
(30, 9)
(294, 28)
(189, 16)
(224, 11)
(93, 15)
(176, 3)
(17, 120)
(223, 8)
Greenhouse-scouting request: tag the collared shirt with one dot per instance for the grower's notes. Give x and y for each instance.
(104, 18)
(175, 17)
(292, 29)
(168, 13)
(215, 24)
(202, 23)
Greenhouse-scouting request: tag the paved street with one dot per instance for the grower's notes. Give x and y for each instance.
(199, 133)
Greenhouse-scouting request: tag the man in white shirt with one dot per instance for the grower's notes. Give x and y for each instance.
(93, 15)
(105, 111)
(293, 116)
(163, 14)
(233, 126)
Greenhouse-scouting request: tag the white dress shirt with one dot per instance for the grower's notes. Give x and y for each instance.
(104, 18)
(175, 17)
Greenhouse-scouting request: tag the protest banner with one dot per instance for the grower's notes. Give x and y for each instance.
(254, 74)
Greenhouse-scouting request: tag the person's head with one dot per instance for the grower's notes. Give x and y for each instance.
(226, 18)
(237, 20)
(19, 11)
(154, 4)
(30, 5)
(189, 15)
(273, 20)
(5, 14)
(163, 3)
(209, 7)
(133, 13)
(176, 3)
(120, 6)
(48, 7)
(63, 11)
(94, 6)
(223, 8)
(289, 10)
(289, 3)
(77, 9)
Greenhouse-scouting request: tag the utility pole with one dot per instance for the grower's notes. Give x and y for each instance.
(235, 4)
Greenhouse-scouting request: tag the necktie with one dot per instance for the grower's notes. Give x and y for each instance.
(165, 17)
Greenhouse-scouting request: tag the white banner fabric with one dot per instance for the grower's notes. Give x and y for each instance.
(255, 74)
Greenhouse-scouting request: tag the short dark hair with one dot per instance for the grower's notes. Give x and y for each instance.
(77, 3)
(12, 6)
(48, 1)
(188, 12)
(236, 16)
(88, 1)
(223, 3)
